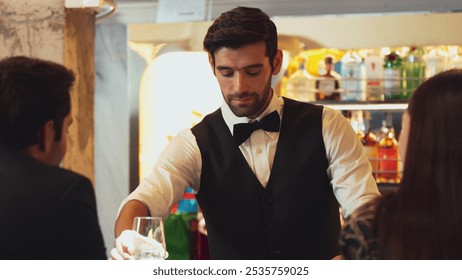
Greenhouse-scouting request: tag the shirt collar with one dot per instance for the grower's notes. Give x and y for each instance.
(276, 103)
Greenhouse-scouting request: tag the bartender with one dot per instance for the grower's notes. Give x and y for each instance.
(269, 172)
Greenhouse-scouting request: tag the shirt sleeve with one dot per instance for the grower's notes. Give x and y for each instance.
(178, 167)
(349, 168)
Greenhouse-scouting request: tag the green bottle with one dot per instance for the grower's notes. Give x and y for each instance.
(393, 76)
(414, 71)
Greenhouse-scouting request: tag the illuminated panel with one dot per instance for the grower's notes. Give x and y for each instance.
(176, 89)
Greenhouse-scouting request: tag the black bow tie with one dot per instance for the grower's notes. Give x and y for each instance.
(242, 131)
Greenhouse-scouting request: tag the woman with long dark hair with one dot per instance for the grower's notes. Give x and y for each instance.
(423, 219)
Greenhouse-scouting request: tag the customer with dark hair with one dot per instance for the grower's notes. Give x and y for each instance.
(268, 172)
(46, 212)
(423, 219)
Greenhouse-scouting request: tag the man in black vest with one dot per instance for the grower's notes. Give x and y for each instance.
(269, 172)
(46, 212)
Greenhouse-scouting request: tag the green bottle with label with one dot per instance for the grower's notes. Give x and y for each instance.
(393, 76)
(414, 71)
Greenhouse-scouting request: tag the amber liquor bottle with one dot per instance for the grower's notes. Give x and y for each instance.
(369, 141)
(388, 154)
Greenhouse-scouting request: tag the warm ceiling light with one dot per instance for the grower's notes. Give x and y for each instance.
(83, 3)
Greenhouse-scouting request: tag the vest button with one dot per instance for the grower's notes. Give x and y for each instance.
(276, 252)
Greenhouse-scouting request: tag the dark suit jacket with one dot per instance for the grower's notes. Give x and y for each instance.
(46, 212)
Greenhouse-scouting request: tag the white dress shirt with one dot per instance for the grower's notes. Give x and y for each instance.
(179, 165)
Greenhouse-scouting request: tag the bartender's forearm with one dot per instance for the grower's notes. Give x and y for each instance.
(133, 208)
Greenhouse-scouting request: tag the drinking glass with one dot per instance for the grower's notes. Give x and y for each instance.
(150, 243)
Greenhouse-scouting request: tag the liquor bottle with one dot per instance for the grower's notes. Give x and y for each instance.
(352, 72)
(388, 154)
(369, 141)
(392, 76)
(322, 67)
(299, 86)
(373, 64)
(456, 60)
(435, 62)
(414, 71)
(327, 85)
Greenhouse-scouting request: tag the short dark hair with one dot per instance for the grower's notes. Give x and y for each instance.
(239, 27)
(32, 92)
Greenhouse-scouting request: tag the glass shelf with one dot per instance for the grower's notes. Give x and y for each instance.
(365, 105)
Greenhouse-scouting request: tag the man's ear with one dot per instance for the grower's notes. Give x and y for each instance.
(212, 63)
(277, 62)
(47, 136)
(43, 150)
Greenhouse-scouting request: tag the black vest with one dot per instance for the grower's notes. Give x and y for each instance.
(295, 217)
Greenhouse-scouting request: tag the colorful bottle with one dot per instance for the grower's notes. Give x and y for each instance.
(300, 85)
(187, 204)
(435, 62)
(414, 71)
(392, 76)
(373, 64)
(352, 72)
(388, 154)
(369, 141)
(327, 85)
(456, 60)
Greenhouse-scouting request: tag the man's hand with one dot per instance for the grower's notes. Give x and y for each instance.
(130, 244)
(124, 246)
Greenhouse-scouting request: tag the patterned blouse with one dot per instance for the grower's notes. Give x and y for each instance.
(358, 240)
